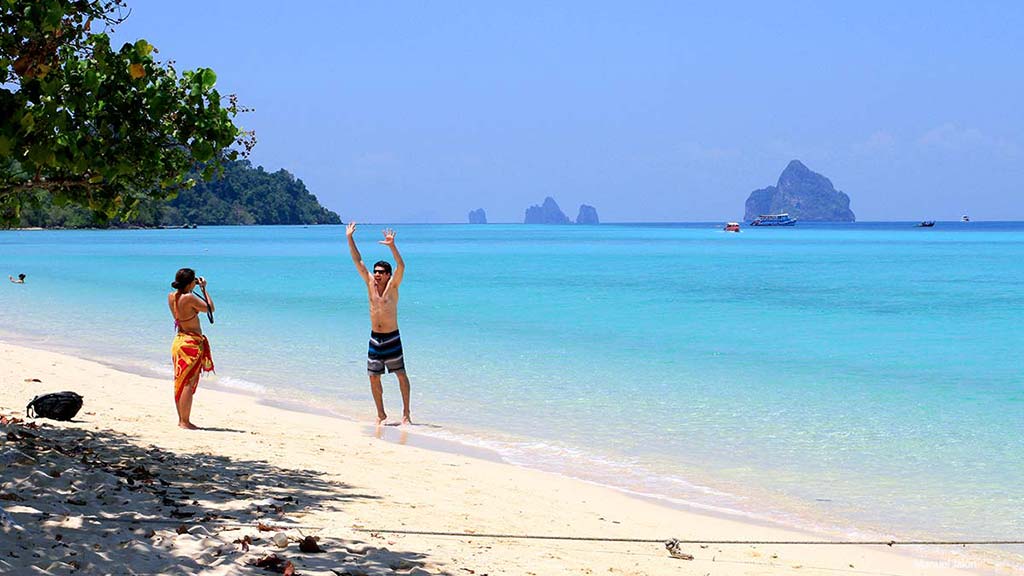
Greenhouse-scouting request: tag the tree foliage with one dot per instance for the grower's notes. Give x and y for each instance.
(242, 195)
(86, 125)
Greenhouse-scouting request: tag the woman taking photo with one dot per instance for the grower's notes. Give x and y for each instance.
(190, 352)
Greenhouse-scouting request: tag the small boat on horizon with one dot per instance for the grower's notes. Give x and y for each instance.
(965, 218)
(732, 227)
(926, 224)
(782, 219)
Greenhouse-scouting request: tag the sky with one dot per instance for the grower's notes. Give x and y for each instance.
(649, 111)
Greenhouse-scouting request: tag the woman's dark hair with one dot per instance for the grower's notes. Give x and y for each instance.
(183, 278)
(21, 276)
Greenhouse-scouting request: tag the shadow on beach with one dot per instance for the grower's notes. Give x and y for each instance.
(76, 499)
(217, 429)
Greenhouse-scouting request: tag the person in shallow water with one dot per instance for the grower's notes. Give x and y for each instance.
(19, 280)
(385, 349)
(190, 352)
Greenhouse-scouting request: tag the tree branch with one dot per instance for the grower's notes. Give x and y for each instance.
(48, 185)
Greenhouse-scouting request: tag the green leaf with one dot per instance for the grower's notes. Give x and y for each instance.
(41, 155)
(202, 150)
(143, 48)
(209, 78)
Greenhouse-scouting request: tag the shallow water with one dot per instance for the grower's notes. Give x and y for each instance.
(861, 378)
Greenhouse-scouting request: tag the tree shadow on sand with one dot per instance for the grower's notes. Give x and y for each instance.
(98, 502)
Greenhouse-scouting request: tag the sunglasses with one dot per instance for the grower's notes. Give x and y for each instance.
(380, 272)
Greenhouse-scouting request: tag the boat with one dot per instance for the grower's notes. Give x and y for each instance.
(782, 219)
(926, 224)
(965, 218)
(732, 227)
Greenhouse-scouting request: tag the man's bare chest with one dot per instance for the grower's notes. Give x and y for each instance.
(383, 301)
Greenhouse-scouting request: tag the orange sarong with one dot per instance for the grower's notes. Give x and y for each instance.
(190, 354)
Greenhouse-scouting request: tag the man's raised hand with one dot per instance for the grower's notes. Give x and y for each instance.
(389, 237)
(350, 229)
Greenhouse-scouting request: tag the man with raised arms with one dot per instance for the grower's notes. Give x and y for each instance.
(385, 351)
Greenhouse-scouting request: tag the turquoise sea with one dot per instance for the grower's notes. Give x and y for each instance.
(858, 379)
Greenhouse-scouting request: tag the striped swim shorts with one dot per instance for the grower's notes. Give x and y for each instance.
(385, 352)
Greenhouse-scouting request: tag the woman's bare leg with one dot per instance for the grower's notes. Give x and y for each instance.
(184, 405)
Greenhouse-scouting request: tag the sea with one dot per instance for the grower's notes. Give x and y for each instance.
(855, 380)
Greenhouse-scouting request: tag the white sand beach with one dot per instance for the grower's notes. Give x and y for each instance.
(121, 489)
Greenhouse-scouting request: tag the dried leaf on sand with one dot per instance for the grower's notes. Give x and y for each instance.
(245, 542)
(308, 544)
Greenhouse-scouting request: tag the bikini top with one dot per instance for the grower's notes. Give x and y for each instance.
(177, 322)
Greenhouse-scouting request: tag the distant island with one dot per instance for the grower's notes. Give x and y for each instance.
(546, 213)
(477, 216)
(244, 195)
(550, 213)
(587, 215)
(804, 194)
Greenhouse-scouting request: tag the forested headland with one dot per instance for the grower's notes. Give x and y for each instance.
(243, 195)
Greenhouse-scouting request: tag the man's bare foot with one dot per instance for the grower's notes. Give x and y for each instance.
(406, 419)
(381, 418)
(188, 426)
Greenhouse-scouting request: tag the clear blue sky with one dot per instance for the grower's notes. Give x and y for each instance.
(650, 111)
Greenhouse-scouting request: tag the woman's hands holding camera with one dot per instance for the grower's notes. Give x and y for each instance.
(201, 282)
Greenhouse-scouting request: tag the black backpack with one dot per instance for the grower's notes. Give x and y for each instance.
(56, 405)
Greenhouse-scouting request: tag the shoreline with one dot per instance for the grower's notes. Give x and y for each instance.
(472, 443)
(463, 442)
(460, 485)
(261, 397)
